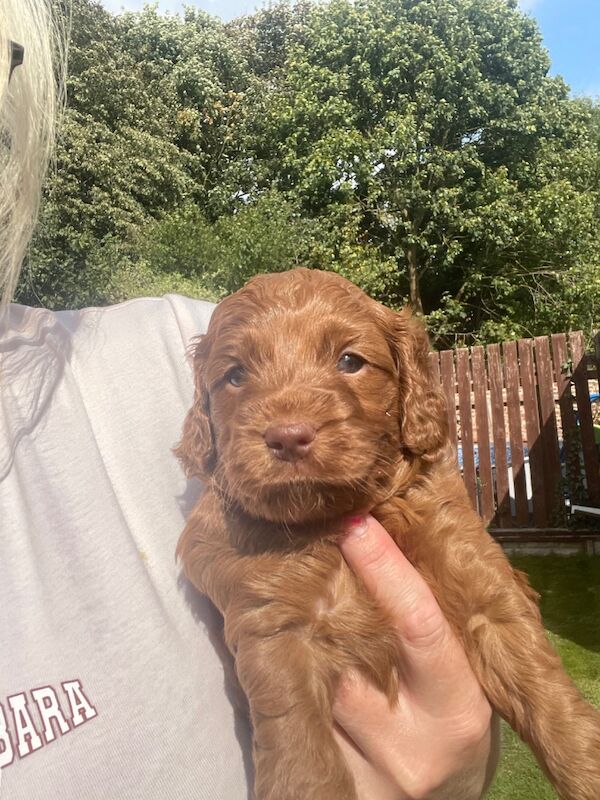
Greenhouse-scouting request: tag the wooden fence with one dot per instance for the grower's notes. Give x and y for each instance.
(521, 416)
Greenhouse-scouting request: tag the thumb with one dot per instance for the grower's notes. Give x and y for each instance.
(392, 580)
(434, 662)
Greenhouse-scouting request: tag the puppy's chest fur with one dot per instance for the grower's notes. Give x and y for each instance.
(308, 596)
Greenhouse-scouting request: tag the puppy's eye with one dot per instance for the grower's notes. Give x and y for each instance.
(350, 363)
(235, 377)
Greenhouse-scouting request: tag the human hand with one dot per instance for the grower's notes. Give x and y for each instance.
(440, 741)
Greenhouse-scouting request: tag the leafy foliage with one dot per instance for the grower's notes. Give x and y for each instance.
(417, 146)
(263, 236)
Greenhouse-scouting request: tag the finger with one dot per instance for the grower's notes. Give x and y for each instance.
(389, 577)
(434, 663)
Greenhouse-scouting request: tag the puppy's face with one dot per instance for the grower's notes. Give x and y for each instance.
(302, 383)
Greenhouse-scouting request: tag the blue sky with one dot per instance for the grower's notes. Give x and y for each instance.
(570, 28)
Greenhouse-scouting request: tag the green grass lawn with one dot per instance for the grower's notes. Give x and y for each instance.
(570, 589)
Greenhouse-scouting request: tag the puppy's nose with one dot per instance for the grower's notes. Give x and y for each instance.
(289, 442)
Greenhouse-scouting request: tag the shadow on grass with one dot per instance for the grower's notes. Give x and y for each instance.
(570, 595)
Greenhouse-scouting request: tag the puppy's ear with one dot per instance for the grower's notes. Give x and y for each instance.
(196, 450)
(422, 406)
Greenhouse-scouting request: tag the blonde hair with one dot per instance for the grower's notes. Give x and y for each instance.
(28, 111)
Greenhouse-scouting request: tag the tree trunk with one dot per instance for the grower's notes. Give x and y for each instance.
(413, 280)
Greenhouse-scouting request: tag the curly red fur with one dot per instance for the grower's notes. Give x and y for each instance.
(261, 542)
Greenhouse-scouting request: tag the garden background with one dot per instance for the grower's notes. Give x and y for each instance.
(420, 147)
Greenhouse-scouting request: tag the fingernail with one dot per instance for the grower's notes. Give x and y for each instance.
(355, 526)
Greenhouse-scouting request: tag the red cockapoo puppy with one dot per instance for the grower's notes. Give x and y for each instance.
(314, 402)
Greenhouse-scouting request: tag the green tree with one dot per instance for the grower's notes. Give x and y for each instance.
(416, 146)
(136, 140)
(435, 119)
(264, 235)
